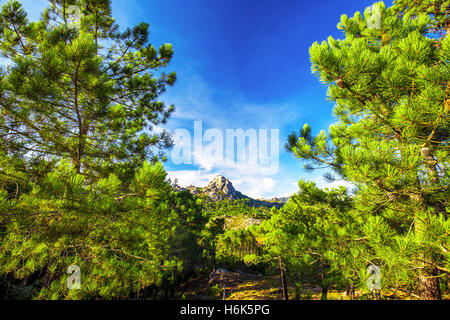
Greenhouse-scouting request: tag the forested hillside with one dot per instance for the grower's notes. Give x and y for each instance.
(84, 191)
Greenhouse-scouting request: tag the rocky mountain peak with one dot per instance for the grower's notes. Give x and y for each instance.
(220, 183)
(221, 188)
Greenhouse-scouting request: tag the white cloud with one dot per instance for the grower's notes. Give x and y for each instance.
(187, 178)
(246, 177)
(248, 181)
(196, 100)
(249, 184)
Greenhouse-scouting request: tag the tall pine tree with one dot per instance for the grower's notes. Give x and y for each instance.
(75, 86)
(391, 87)
(79, 182)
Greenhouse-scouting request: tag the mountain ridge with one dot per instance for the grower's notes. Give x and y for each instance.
(220, 188)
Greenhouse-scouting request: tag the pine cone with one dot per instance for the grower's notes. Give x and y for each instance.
(426, 152)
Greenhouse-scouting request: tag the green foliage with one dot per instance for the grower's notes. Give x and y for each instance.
(311, 235)
(233, 208)
(123, 242)
(214, 227)
(88, 94)
(240, 247)
(79, 179)
(391, 92)
(230, 238)
(214, 291)
(438, 10)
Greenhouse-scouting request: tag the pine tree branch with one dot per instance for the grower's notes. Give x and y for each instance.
(108, 248)
(121, 57)
(20, 38)
(435, 126)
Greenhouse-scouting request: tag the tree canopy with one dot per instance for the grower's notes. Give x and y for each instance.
(391, 92)
(85, 91)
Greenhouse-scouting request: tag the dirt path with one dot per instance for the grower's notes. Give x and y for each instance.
(237, 286)
(247, 286)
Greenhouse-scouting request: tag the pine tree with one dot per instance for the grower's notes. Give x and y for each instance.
(392, 91)
(214, 227)
(438, 10)
(123, 244)
(75, 86)
(312, 236)
(80, 184)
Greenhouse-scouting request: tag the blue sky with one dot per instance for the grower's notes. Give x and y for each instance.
(241, 64)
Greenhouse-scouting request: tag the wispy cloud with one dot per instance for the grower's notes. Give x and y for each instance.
(246, 177)
(195, 100)
(257, 187)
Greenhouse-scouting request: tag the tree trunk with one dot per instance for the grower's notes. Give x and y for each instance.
(324, 293)
(184, 287)
(323, 268)
(148, 292)
(352, 292)
(428, 282)
(166, 289)
(283, 281)
(428, 285)
(214, 257)
(172, 291)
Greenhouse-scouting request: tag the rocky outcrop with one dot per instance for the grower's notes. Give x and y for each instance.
(221, 188)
